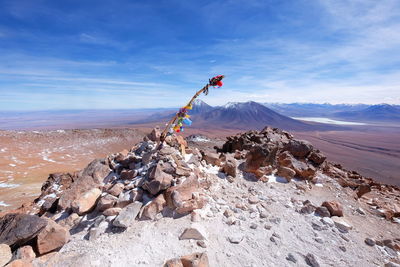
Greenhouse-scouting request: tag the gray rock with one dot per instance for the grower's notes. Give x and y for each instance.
(342, 225)
(391, 252)
(328, 221)
(360, 211)
(311, 260)
(235, 239)
(343, 248)
(253, 226)
(128, 215)
(318, 226)
(391, 264)
(319, 240)
(370, 242)
(268, 226)
(201, 243)
(196, 232)
(291, 258)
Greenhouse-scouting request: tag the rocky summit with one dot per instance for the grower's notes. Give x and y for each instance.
(261, 198)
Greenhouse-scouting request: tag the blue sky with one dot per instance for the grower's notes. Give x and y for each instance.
(136, 54)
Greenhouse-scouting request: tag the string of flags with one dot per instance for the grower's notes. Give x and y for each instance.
(182, 118)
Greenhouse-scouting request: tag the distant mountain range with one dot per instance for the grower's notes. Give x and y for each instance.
(245, 115)
(357, 112)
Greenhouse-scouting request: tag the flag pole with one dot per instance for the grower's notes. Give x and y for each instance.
(212, 82)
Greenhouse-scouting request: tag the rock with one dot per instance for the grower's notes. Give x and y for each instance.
(317, 157)
(360, 211)
(253, 225)
(307, 209)
(299, 148)
(116, 189)
(335, 208)
(25, 253)
(18, 229)
(195, 216)
(286, 173)
(363, 189)
(106, 202)
(328, 221)
(235, 239)
(19, 263)
(254, 200)
(86, 202)
(343, 248)
(5, 254)
(211, 158)
(391, 264)
(173, 262)
(157, 179)
(257, 157)
(195, 232)
(195, 260)
(230, 167)
(153, 208)
(291, 258)
(267, 226)
(201, 243)
(129, 174)
(370, 242)
(112, 211)
(52, 237)
(127, 215)
(154, 135)
(95, 232)
(342, 225)
(70, 221)
(311, 260)
(322, 211)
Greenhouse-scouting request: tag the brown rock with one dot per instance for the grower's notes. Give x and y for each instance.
(128, 174)
(174, 263)
(158, 179)
(155, 135)
(195, 232)
(52, 237)
(112, 211)
(5, 254)
(154, 207)
(18, 229)
(286, 173)
(195, 260)
(25, 253)
(363, 189)
(256, 158)
(19, 263)
(106, 202)
(86, 202)
(299, 148)
(116, 189)
(317, 157)
(230, 167)
(181, 141)
(211, 158)
(335, 208)
(70, 221)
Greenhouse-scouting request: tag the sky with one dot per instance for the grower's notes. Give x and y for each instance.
(144, 54)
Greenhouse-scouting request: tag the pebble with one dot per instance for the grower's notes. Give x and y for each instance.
(275, 220)
(253, 215)
(360, 211)
(319, 240)
(345, 238)
(391, 264)
(253, 226)
(370, 242)
(263, 214)
(268, 226)
(316, 225)
(254, 200)
(343, 248)
(328, 221)
(291, 258)
(231, 220)
(235, 239)
(201, 243)
(228, 213)
(311, 260)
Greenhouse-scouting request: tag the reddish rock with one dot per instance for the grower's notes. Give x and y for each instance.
(154, 207)
(128, 174)
(155, 135)
(335, 208)
(181, 141)
(19, 263)
(174, 263)
(317, 157)
(52, 237)
(230, 167)
(116, 189)
(112, 211)
(286, 173)
(299, 148)
(86, 202)
(211, 158)
(157, 179)
(256, 158)
(106, 202)
(18, 229)
(363, 189)
(25, 253)
(195, 260)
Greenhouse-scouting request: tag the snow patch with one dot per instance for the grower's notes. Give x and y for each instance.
(328, 121)
(276, 179)
(3, 204)
(5, 185)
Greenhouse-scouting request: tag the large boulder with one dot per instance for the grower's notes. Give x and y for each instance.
(157, 179)
(302, 168)
(299, 148)
(52, 237)
(230, 167)
(106, 202)
(286, 172)
(317, 157)
(86, 202)
(211, 158)
(18, 229)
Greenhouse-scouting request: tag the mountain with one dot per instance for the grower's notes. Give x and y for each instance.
(381, 112)
(248, 115)
(200, 107)
(313, 110)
